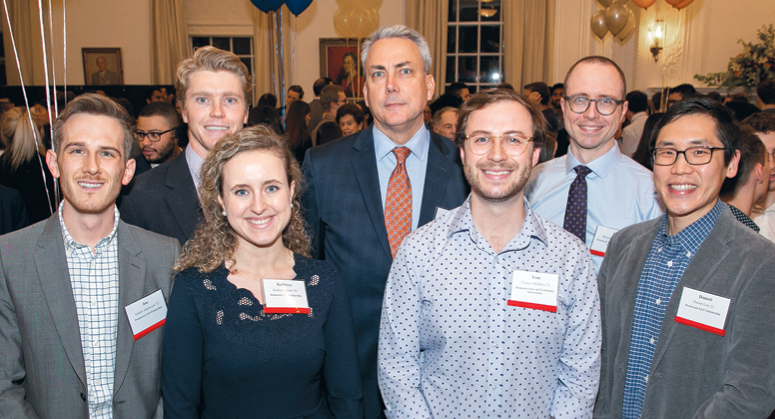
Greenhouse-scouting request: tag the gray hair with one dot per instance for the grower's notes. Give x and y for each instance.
(399, 31)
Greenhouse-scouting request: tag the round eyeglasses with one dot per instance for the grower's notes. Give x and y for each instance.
(605, 106)
(513, 144)
(153, 136)
(696, 156)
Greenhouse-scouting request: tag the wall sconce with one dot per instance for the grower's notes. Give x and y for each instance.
(658, 35)
(487, 10)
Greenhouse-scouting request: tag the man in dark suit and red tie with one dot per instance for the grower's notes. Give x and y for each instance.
(369, 190)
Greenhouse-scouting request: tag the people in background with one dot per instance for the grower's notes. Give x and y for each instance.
(296, 129)
(461, 299)
(332, 97)
(315, 106)
(558, 91)
(328, 132)
(267, 99)
(642, 154)
(444, 122)
(354, 209)
(295, 93)
(765, 96)
(682, 295)
(458, 89)
(539, 95)
(749, 186)
(267, 116)
(72, 342)
(22, 168)
(594, 189)
(637, 114)
(213, 88)
(679, 93)
(763, 124)
(13, 214)
(158, 94)
(155, 133)
(231, 348)
(350, 119)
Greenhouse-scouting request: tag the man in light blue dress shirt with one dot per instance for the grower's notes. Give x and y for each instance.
(491, 310)
(620, 192)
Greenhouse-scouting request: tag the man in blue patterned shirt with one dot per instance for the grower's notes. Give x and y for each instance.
(491, 310)
(687, 329)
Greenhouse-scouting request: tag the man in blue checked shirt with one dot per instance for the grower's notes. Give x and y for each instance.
(686, 299)
(491, 310)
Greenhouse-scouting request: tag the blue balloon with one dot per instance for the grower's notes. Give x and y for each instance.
(297, 6)
(267, 6)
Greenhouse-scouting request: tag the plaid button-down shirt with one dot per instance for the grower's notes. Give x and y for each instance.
(94, 278)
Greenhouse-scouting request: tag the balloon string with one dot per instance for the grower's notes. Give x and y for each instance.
(282, 58)
(293, 51)
(53, 64)
(27, 103)
(48, 91)
(272, 30)
(64, 54)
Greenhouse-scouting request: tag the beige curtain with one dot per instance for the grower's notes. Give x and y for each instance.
(267, 59)
(26, 32)
(169, 40)
(429, 17)
(525, 28)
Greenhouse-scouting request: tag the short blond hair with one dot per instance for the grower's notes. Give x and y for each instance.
(210, 58)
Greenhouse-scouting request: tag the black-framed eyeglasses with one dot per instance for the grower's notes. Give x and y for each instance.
(605, 106)
(696, 156)
(153, 136)
(514, 144)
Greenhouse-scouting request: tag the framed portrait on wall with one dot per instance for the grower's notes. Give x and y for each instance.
(340, 61)
(102, 67)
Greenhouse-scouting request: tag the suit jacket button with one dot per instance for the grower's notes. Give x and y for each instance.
(83, 397)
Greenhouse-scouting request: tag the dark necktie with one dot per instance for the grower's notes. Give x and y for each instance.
(576, 209)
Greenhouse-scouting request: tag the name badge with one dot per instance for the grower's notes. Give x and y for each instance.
(534, 290)
(147, 314)
(285, 296)
(703, 310)
(600, 242)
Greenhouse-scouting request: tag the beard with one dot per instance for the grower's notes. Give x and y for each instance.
(496, 193)
(163, 154)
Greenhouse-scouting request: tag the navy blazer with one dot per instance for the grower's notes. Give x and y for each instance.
(164, 200)
(344, 212)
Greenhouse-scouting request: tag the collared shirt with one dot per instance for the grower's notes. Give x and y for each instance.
(665, 265)
(416, 165)
(746, 220)
(631, 134)
(94, 278)
(620, 192)
(195, 164)
(765, 219)
(451, 347)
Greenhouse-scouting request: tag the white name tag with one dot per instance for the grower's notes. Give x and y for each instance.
(703, 310)
(600, 242)
(534, 290)
(440, 212)
(147, 314)
(285, 296)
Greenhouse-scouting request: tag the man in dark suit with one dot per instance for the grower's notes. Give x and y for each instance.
(13, 214)
(686, 299)
(156, 131)
(213, 90)
(69, 347)
(354, 182)
(103, 76)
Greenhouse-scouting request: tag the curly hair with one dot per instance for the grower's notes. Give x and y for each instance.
(215, 241)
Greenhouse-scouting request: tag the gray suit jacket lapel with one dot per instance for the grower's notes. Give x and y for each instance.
(54, 277)
(712, 253)
(364, 164)
(131, 280)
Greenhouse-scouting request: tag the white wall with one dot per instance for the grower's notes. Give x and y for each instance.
(701, 39)
(709, 30)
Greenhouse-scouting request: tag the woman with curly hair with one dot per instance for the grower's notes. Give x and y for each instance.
(226, 354)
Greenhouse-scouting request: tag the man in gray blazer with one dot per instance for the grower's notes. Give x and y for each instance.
(69, 347)
(688, 329)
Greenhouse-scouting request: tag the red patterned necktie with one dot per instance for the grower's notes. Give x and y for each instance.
(398, 205)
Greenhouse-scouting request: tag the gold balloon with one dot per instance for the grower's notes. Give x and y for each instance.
(629, 27)
(605, 3)
(683, 4)
(347, 5)
(644, 4)
(343, 23)
(362, 22)
(598, 24)
(371, 4)
(616, 18)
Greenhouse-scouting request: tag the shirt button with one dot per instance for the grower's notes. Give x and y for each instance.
(670, 263)
(646, 378)
(94, 303)
(97, 381)
(495, 344)
(688, 254)
(652, 342)
(494, 386)
(659, 301)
